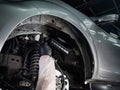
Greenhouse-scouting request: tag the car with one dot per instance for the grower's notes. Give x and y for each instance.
(86, 56)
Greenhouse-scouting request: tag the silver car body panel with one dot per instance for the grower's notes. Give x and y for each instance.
(105, 48)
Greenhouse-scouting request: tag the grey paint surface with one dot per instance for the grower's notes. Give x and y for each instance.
(105, 48)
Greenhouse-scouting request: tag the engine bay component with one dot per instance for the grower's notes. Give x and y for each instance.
(24, 66)
(24, 84)
(11, 63)
(59, 47)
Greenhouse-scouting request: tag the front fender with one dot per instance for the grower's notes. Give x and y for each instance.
(14, 13)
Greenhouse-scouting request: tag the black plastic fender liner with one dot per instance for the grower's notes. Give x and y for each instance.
(100, 86)
(104, 85)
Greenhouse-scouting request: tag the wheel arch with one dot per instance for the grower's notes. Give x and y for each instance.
(58, 11)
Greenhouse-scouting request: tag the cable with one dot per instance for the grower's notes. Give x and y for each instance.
(114, 2)
(90, 8)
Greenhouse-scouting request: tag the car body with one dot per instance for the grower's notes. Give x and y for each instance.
(104, 47)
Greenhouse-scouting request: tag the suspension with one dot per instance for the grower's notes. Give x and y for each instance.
(34, 66)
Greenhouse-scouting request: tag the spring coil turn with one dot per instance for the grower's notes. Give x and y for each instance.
(34, 66)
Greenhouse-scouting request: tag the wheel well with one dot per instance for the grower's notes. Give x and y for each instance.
(78, 67)
(86, 53)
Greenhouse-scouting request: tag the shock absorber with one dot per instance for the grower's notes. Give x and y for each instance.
(34, 65)
(40, 48)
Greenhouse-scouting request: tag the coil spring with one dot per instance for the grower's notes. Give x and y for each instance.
(34, 66)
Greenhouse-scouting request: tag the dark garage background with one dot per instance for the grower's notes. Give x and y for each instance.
(97, 8)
